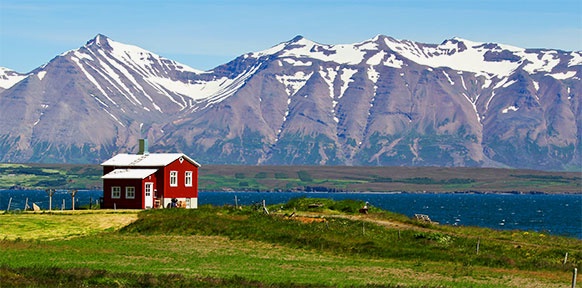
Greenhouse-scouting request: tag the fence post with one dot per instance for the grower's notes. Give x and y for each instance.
(574, 274)
(73, 193)
(50, 193)
(265, 208)
(565, 258)
(478, 243)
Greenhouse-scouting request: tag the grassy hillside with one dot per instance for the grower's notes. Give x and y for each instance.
(298, 244)
(314, 178)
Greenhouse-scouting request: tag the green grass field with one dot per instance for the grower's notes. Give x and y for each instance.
(328, 246)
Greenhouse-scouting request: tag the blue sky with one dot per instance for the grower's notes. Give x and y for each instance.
(205, 34)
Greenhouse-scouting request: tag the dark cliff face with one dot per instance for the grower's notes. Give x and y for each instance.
(379, 102)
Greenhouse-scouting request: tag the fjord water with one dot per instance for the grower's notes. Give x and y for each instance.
(557, 214)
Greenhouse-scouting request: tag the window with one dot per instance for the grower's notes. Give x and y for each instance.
(130, 192)
(188, 179)
(173, 178)
(115, 192)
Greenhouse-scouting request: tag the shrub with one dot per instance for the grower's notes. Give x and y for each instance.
(281, 176)
(304, 176)
(261, 175)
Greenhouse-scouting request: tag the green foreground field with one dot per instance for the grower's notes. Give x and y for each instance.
(297, 244)
(314, 178)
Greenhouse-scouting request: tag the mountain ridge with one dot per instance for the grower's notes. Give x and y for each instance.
(381, 101)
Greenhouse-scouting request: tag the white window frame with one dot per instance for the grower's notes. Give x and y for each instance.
(188, 179)
(130, 192)
(149, 189)
(173, 178)
(115, 192)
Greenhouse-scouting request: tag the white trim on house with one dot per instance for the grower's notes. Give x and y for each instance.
(129, 174)
(152, 159)
(173, 178)
(188, 178)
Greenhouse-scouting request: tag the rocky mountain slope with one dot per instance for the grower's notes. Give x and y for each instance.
(379, 102)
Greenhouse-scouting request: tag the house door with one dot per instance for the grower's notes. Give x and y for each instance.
(149, 195)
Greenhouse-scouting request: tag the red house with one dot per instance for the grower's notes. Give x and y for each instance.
(150, 180)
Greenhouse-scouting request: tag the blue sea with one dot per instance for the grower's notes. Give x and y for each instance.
(557, 214)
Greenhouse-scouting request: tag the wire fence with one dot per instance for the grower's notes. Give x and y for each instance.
(21, 200)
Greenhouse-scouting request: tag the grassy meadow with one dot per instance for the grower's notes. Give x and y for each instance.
(297, 244)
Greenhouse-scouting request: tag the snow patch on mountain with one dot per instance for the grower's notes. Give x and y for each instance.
(449, 78)
(393, 62)
(41, 75)
(297, 62)
(227, 87)
(377, 58)
(293, 83)
(480, 58)
(463, 81)
(373, 75)
(576, 59)
(450, 55)
(130, 69)
(111, 67)
(9, 78)
(510, 108)
(509, 83)
(564, 75)
(140, 58)
(90, 77)
(474, 105)
(304, 48)
(545, 63)
(346, 77)
(328, 76)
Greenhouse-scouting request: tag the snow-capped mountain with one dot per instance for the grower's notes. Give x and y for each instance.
(379, 102)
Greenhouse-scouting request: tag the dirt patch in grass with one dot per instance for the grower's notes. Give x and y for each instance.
(307, 220)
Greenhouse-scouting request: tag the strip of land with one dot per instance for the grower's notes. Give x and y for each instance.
(315, 178)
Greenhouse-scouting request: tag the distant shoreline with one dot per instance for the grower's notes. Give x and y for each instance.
(354, 179)
(360, 192)
(410, 192)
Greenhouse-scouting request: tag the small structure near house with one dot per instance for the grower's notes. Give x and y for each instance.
(150, 180)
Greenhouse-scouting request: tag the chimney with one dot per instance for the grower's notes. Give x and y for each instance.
(143, 147)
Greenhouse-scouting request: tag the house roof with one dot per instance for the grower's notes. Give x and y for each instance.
(129, 174)
(147, 160)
